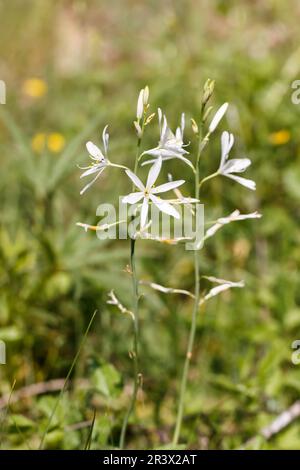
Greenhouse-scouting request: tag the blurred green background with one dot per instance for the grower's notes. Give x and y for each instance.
(70, 68)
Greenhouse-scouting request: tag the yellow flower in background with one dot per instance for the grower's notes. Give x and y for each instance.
(38, 142)
(35, 87)
(55, 142)
(280, 137)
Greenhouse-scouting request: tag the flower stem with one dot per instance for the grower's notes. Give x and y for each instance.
(192, 332)
(135, 344)
(135, 311)
(204, 180)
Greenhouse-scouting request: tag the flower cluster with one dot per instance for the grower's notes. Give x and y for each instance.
(170, 146)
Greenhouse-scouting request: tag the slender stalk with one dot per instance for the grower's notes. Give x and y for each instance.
(204, 180)
(135, 311)
(192, 332)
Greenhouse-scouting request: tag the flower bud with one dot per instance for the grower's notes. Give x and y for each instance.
(138, 128)
(194, 126)
(207, 113)
(149, 119)
(208, 90)
(146, 95)
(140, 105)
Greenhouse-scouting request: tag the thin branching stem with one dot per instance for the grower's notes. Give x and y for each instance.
(207, 178)
(135, 311)
(192, 332)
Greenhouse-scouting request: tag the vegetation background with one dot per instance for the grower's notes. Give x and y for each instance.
(70, 67)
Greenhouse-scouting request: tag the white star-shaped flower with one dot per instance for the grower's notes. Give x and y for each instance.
(100, 161)
(170, 145)
(234, 165)
(148, 193)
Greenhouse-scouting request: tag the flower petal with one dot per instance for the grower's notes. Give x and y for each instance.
(233, 217)
(217, 280)
(186, 160)
(235, 165)
(105, 139)
(155, 152)
(159, 113)
(135, 179)
(94, 151)
(132, 198)
(164, 206)
(140, 105)
(162, 188)
(153, 173)
(179, 135)
(91, 182)
(182, 123)
(166, 155)
(170, 151)
(164, 130)
(144, 212)
(221, 288)
(93, 169)
(227, 141)
(250, 184)
(217, 117)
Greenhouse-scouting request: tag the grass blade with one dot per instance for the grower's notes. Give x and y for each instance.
(89, 438)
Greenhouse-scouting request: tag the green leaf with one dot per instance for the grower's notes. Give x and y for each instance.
(106, 380)
(54, 439)
(20, 421)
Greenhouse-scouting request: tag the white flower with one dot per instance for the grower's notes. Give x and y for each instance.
(233, 217)
(148, 193)
(235, 165)
(170, 145)
(100, 161)
(217, 117)
(222, 286)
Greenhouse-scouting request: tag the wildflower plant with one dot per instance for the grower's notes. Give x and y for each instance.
(143, 196)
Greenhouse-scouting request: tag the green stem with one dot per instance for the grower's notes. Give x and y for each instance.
(192, 332)
(135, 311)
(115, 165)
(135, 352)
(204, 180)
